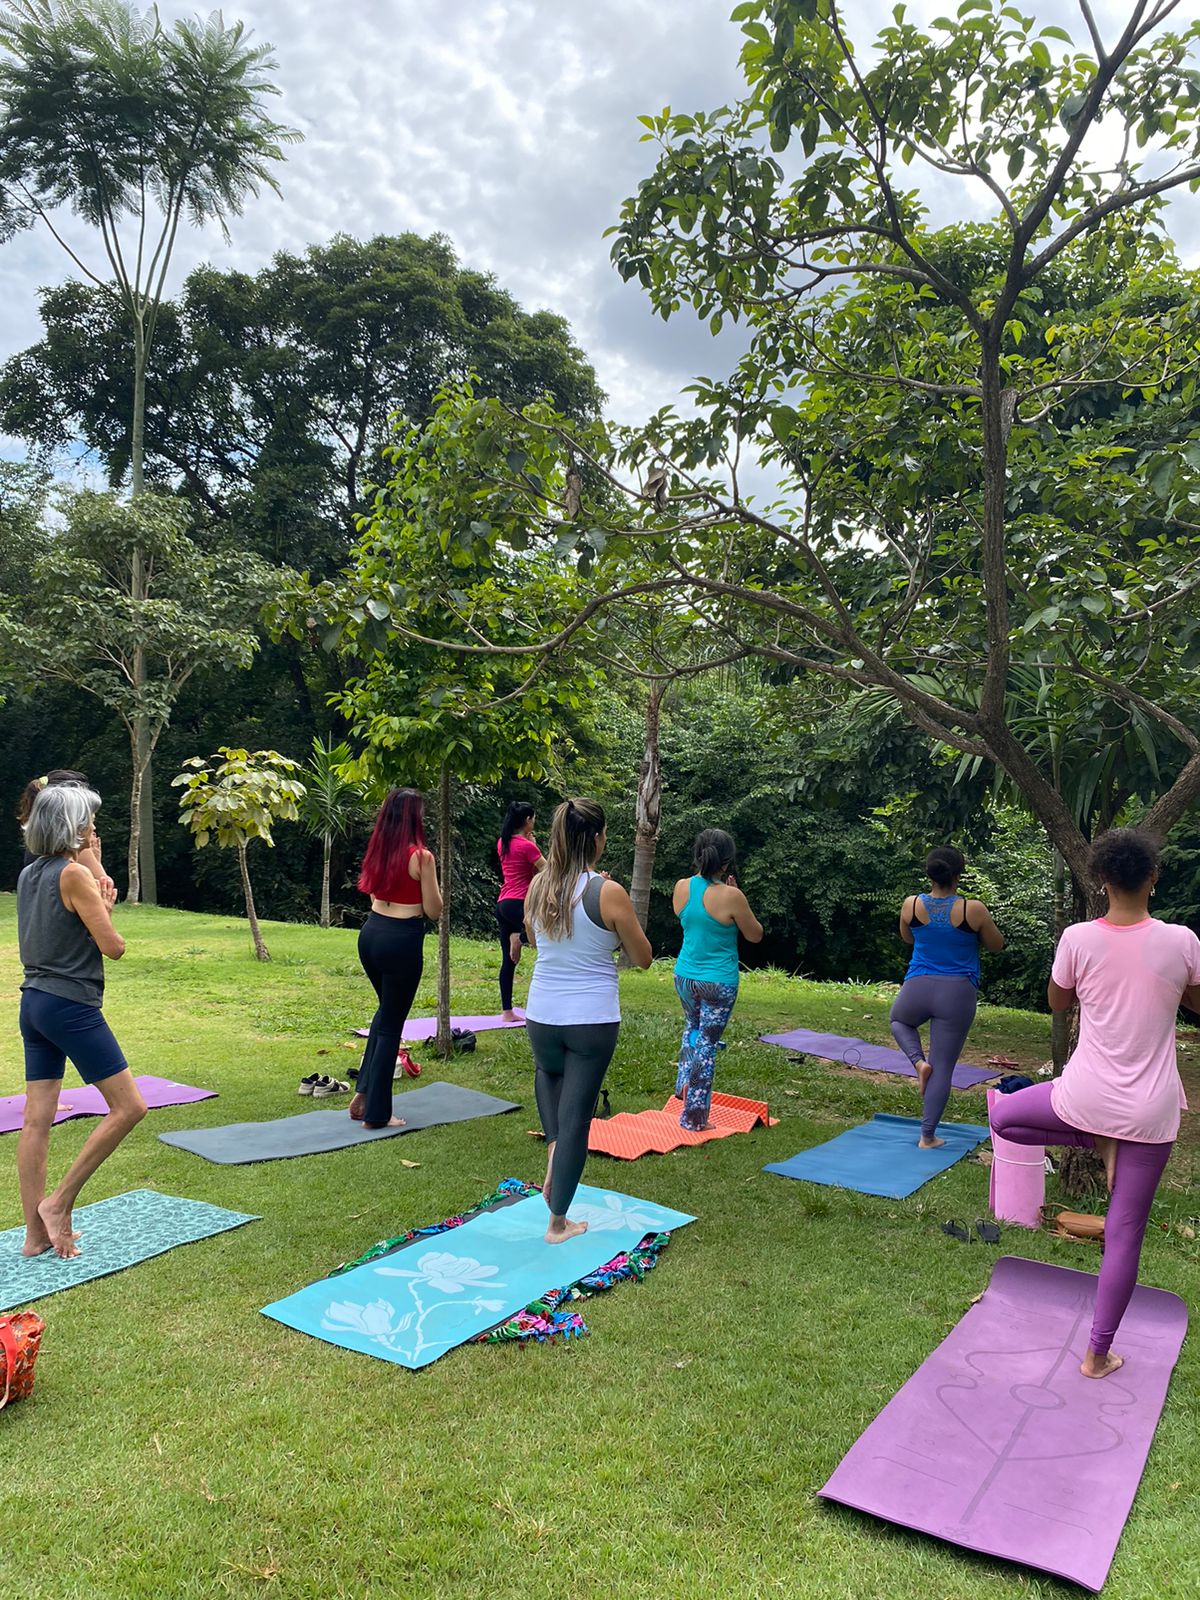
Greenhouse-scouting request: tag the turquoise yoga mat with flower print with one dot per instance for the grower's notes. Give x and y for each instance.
(415, 1305)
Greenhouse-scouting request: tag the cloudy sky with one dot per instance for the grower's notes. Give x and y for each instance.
(511, 126)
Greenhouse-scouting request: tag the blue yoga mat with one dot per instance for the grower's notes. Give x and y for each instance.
(413, 1306)
(114, 1234)
(881, 1156)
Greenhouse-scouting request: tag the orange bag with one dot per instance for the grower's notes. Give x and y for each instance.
(20, 1340)
(1074, 1224)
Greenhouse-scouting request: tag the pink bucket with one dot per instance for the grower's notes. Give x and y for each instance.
(1018, 1178)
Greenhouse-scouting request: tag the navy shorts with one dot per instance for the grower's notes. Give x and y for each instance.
(54, 1028)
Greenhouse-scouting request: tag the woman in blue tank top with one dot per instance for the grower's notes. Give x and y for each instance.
(941, 987)
(712, 911)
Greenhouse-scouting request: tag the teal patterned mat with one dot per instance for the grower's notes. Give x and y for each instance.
(115, 1234)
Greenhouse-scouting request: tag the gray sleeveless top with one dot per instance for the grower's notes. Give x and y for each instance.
(58, 953)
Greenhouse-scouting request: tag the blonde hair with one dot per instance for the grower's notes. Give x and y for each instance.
(550, 899)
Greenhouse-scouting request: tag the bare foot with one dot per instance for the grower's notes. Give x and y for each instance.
(1095, 1366)
(393, 1122)
(57, 1223)
(37, 1241)
(1106, 1149)
(509, 1016)
(563, 1228)
(514, 949)
(357, 1106)
(933, 1143)
(924, 1073)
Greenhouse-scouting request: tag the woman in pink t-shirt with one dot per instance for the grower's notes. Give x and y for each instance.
(1120, 1093)
(519, 860)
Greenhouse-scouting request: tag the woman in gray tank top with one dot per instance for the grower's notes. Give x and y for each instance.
(65, 930)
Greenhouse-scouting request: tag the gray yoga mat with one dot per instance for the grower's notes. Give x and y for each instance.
(313, 1132)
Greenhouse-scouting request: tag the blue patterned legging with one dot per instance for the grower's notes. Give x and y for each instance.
(707, 1008)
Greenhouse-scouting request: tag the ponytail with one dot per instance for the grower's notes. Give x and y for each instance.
(549, 901)
(517, 815)
(714, 854)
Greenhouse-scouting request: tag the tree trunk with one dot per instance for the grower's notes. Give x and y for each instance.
(1060, 1021)
(648, 810)
(260, 949)
(149, 866)
(133, 888)
(444, 1042)
(327, 840)
(146, 878)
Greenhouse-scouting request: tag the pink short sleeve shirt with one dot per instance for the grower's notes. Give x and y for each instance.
(518, 866)
(1123, 1078)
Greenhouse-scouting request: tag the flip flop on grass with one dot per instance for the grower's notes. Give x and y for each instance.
(957, 1230)
(988, 1232)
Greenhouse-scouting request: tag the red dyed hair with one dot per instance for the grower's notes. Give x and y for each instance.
(399, 830)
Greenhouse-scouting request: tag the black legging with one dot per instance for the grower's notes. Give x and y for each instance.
(510, 919)
(571, 1063)
(392, 952)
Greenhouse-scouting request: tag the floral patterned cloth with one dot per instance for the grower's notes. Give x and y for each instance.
(707, 1008)
(547, 1317)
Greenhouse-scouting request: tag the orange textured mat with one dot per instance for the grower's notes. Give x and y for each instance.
(631, 1134)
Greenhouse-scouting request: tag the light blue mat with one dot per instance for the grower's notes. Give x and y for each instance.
(413, 1306)
(882, 1157)
(114, 1234)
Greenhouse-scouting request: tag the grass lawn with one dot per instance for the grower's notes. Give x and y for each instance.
(180, 1445)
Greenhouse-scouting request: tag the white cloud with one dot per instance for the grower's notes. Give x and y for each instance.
(511, 126)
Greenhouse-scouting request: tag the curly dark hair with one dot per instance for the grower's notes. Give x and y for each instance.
(1124, 858)
(945, 865)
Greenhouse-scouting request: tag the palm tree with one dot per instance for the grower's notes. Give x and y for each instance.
(330, 807)
(134, 126)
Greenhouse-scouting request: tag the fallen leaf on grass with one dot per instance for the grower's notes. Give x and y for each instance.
(404, 1163)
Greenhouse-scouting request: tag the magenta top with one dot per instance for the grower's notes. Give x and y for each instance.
(518, 866)
(1123, 1078)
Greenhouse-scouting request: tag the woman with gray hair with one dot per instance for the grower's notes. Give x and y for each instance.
(65, 930)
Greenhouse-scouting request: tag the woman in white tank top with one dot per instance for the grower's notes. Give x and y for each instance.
(576, 920)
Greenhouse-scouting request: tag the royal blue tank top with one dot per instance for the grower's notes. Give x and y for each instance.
(710, 948)
(940, 949)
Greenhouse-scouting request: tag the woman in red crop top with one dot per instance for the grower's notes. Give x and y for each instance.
(520, 859)
(400, 875)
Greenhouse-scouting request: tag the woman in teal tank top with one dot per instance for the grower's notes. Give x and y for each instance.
(712, 910)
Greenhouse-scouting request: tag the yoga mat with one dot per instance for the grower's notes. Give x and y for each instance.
(312, 1132)
(417, 1028)
(114, 1234)
(881, 1156)
(87, 1101)
(631, 1134)
(870, 1057)
(998, 1444)
(1017, 1181)
(468, 1279)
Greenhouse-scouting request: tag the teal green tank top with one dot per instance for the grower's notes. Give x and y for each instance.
(710, 949)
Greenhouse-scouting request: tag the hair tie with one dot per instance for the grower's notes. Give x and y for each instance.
(41, 782)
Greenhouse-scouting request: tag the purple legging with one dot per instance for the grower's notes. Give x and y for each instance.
(1027, 1117)
(947, 1004)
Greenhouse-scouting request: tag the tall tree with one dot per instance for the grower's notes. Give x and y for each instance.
(134, 127)
(1061, 540)
(123, 605)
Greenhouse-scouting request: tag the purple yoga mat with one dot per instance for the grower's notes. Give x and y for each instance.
(871, 1057)
(87, 1101)
(417, 1028)
(997, 1443)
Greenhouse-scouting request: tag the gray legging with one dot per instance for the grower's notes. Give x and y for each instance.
(571, 1063)
(948, 1006)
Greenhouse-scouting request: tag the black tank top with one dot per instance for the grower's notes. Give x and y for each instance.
(58, 953)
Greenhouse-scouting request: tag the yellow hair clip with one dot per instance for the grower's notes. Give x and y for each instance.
(41, 782)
